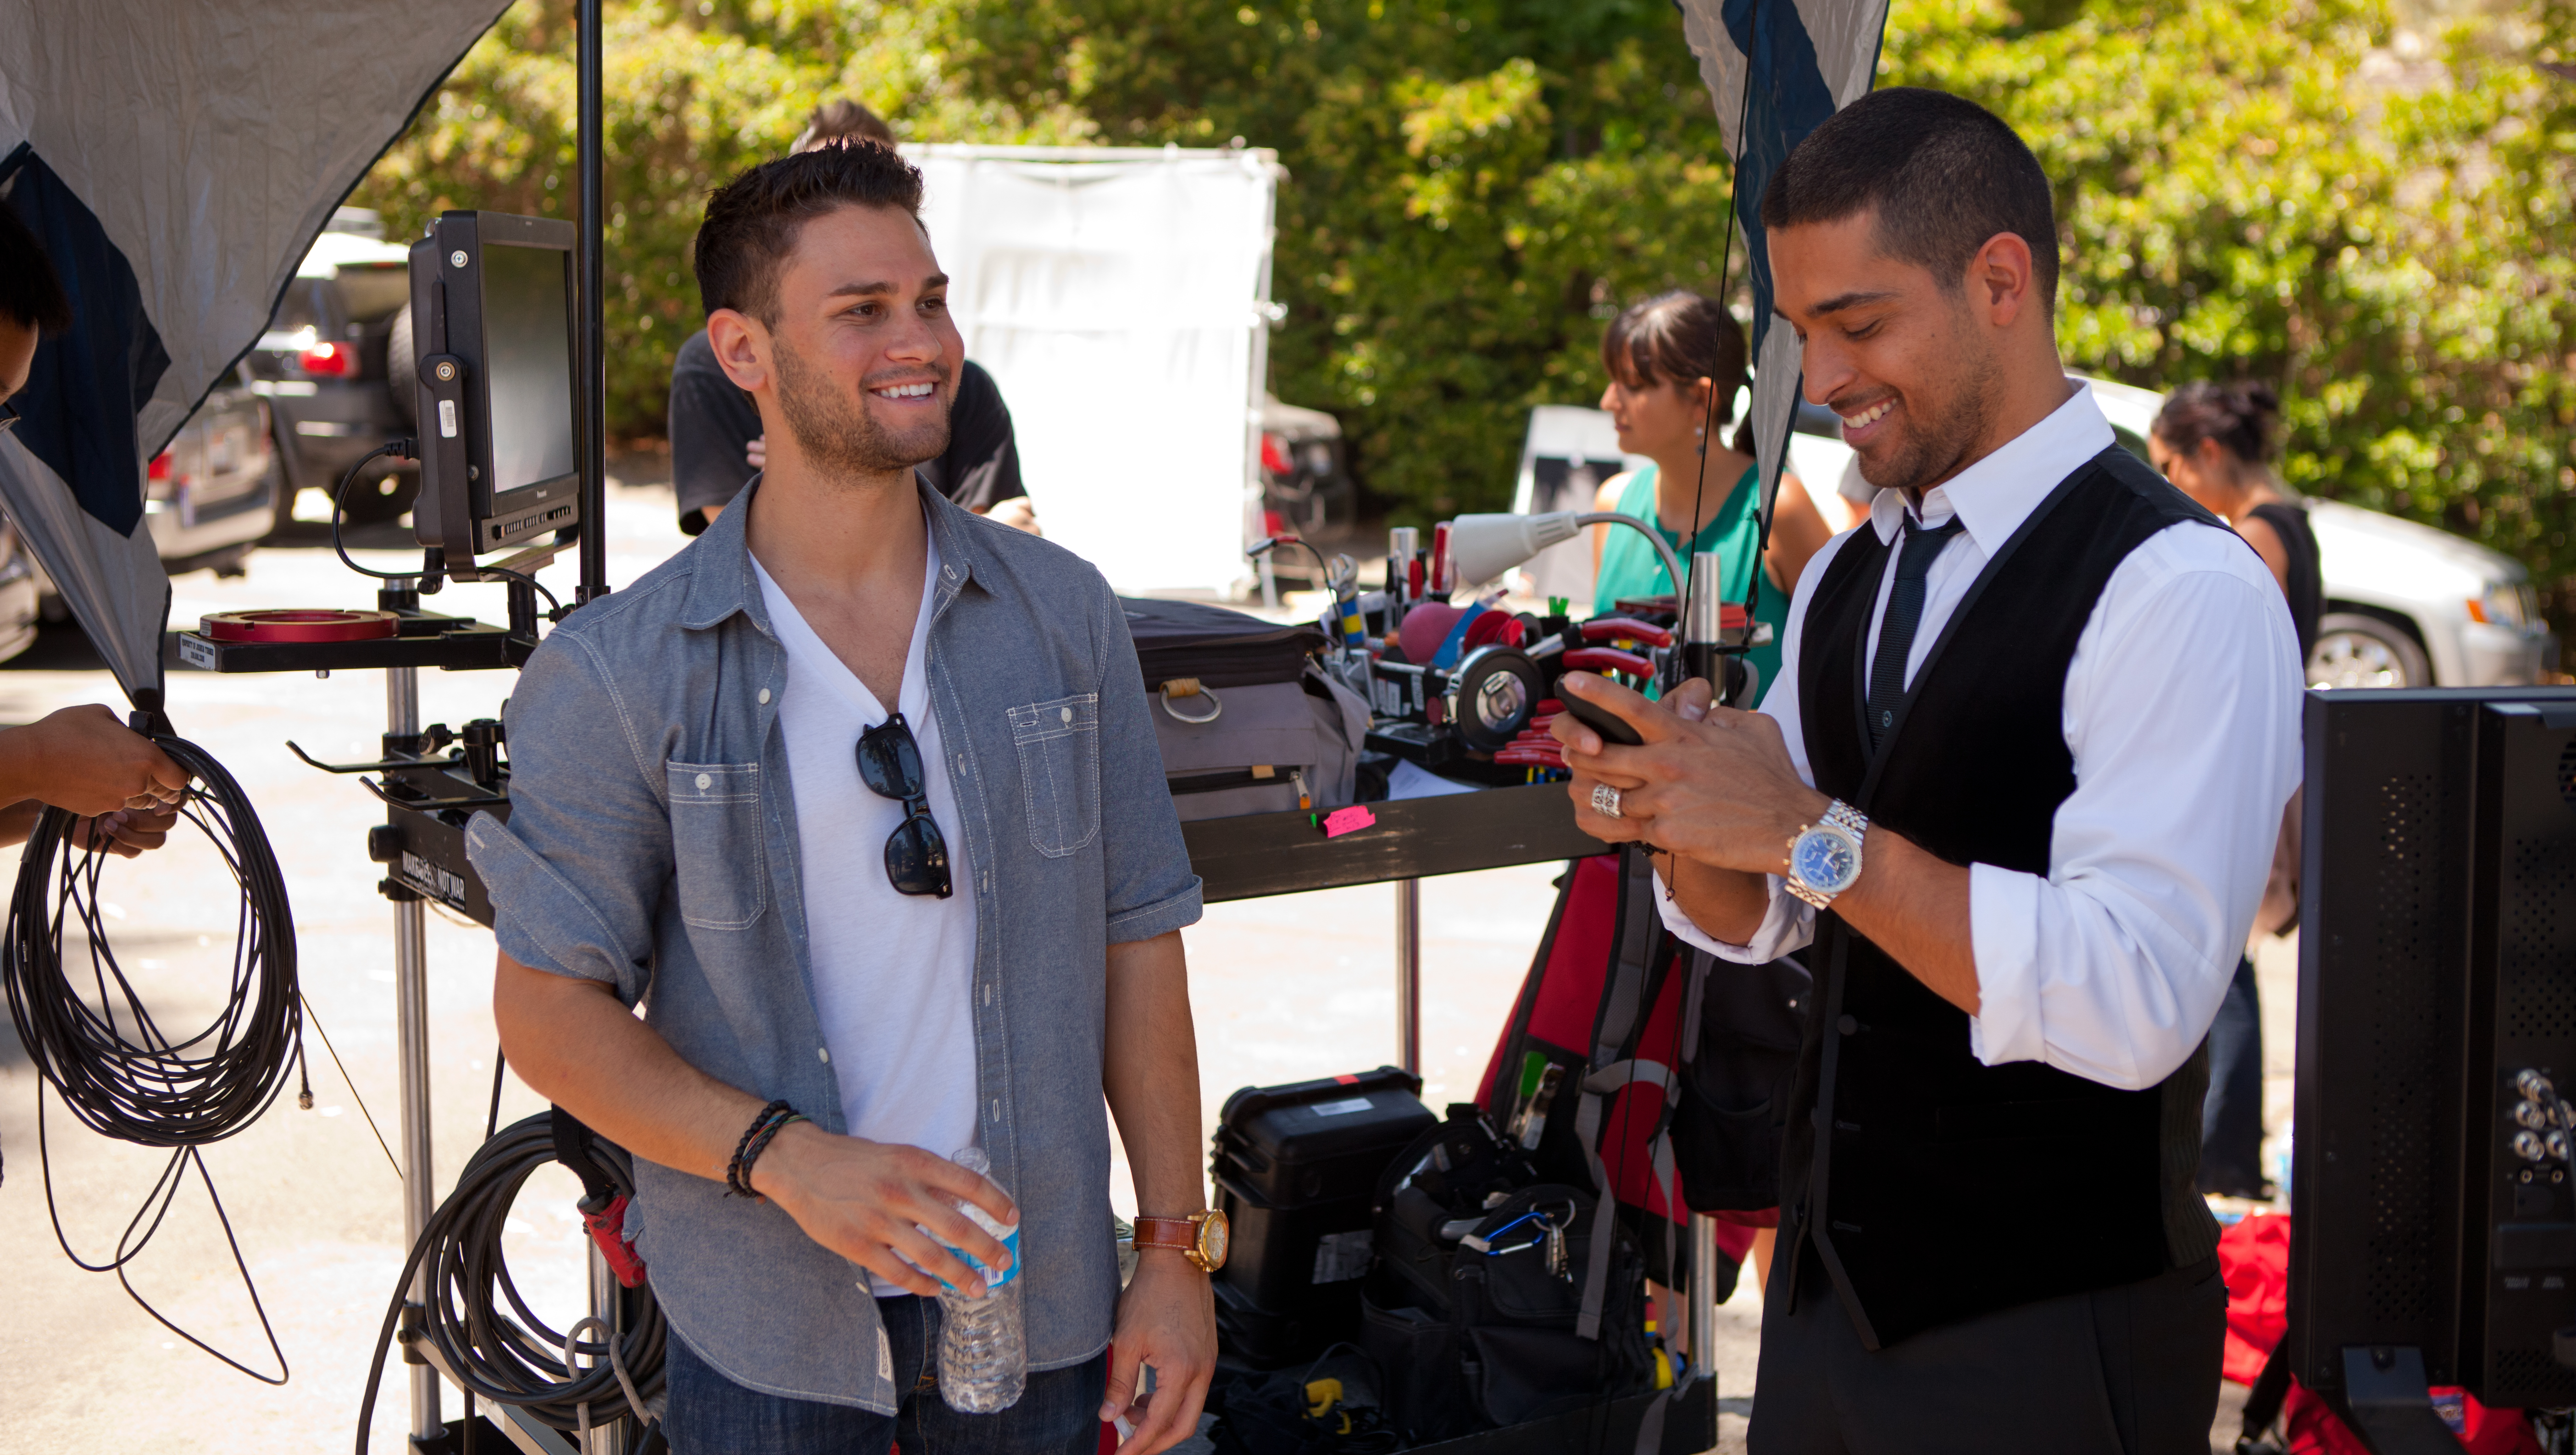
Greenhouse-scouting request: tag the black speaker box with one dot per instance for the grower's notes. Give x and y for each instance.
(2437, 966)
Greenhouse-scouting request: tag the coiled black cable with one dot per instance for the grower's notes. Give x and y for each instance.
(122, 1074)
(492, 1355)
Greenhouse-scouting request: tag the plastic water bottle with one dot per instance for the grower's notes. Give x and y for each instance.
(983, 1351)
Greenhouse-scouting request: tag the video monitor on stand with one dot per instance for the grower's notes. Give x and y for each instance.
(498, 444)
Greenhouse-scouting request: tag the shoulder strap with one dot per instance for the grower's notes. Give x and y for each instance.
(1640, 951)
(2263, 1403)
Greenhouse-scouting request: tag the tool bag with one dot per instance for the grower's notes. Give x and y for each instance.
(1741, 1029)
(1610, 988)
(1483, 1280)
(1326, 1406)
(1246, 718)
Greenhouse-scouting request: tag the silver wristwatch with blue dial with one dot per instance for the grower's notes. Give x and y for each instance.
(1824, 857)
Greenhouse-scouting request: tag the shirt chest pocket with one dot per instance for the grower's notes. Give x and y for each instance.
(719, 849)
(1059, 744)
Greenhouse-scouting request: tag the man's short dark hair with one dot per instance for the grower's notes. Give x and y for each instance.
(752, 221)
(1942, 173)
(30, 291)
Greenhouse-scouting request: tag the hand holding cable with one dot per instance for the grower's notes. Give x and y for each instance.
(82, 759)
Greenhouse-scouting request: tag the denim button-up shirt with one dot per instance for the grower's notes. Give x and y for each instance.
(652, 845)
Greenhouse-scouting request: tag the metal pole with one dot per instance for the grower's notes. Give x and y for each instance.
(411, 1030)
(1408, 974)
(590, 402)
(1703, 1293)
(611, 1438)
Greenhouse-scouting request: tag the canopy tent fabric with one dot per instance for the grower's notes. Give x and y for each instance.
(176, 161)
(1777, 69)
(1120, 298)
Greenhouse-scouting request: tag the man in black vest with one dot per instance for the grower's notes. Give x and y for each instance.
(2016, 790)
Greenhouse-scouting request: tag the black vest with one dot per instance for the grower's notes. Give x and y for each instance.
(1937, 1188)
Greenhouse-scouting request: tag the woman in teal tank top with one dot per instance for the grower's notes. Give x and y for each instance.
(1664, 357)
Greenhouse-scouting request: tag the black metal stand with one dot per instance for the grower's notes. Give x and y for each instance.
(2385, 1401)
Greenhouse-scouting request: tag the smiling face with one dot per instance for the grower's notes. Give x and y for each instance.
(861, 359)
(1914, 369)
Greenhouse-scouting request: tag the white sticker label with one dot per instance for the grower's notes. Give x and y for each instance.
(1341, 1108)
(1341, 1257)
(447, 419)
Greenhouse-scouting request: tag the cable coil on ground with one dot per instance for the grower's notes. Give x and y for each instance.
(109, 1058)
(493, 1356)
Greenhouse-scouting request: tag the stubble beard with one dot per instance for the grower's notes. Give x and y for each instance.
(837, 433)
(1939, 432)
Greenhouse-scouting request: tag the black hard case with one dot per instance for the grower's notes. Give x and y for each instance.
(1293, 1145)
(1292, 1170)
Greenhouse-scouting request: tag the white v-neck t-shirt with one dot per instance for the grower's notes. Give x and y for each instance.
(894, 974)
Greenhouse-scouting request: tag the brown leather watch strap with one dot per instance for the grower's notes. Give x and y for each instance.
(1178, 1234)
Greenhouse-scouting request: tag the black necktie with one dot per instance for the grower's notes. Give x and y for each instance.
(1904, 614)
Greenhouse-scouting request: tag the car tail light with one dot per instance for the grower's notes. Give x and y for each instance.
(333, 359)
(1274, 455)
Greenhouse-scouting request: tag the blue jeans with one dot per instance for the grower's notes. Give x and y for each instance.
(712, 1415)
(2231, 1119)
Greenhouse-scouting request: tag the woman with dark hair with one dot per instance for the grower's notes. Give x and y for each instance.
(1666, 357)
(2215, 443)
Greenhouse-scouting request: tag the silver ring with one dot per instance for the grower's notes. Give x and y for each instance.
(1605, 801)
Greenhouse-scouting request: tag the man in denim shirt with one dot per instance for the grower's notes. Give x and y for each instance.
(950, 922)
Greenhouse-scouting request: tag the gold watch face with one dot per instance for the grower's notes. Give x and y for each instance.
(1214, 1237)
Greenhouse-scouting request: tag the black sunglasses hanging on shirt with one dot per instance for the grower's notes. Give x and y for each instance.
(916, 857)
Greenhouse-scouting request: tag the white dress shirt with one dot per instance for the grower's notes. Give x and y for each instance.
(2182, 714)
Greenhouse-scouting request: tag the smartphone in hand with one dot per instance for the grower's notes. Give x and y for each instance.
(1612, 727)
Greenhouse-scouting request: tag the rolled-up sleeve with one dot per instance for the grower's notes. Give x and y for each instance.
(577, 874)
(1788, 925)
(1146, 868)
(2182, 713)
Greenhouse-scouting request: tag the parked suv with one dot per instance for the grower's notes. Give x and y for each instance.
(214, 490)
(322, 368)
(2406, 605)
(207, 499)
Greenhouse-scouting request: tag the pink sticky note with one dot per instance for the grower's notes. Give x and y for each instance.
(1347, 820)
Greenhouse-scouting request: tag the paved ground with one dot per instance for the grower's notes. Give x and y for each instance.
(1284, 989)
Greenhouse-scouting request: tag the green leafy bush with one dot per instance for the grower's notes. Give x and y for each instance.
(2292, 190)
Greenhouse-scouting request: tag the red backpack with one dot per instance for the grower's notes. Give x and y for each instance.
(1594, 1063)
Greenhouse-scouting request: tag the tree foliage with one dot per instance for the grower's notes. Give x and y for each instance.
(2292, 190)
(2375, 221)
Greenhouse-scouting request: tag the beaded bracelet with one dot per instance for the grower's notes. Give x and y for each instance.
(755, 1137)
